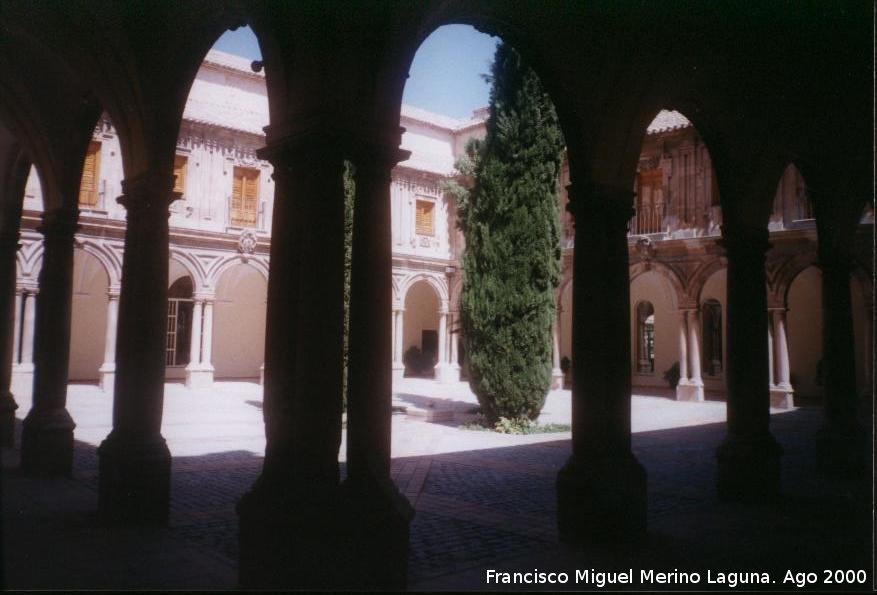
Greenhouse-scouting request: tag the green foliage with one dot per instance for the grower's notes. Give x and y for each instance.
(671, 375)
(512, 259)
(514, 425)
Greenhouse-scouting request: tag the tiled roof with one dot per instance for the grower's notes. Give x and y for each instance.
(231, 61)
(667, 120)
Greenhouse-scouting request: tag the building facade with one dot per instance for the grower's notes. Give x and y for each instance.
(220, 234)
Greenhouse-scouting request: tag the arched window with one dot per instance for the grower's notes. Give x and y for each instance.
(179, 322)
(645, 332)
(712, 337)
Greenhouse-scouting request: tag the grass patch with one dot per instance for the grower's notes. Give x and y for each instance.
(519, 425)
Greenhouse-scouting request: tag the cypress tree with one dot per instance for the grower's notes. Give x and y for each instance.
(511, 263)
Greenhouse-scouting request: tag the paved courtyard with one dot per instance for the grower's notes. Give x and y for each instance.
(483, 500)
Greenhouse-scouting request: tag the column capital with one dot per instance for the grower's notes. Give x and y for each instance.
(608, 204)
(114, 291)
(147, 192)
(59, 224)
(201, 296)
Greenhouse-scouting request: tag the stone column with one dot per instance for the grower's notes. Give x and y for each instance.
(749, 457)
(601, 490)
(207, 340)
(770, 364)
(380, 516)
(293, 521)
(694, 378)
(16, 341)
(556, 372)
(10, 300)
(455, 340)
(842, 442)
(22, 370)
(108, 368)
(782, 394)
(398, 365)
(193, 369)
(134, 483)
(443, 371)
(47, 431)
(682, 389)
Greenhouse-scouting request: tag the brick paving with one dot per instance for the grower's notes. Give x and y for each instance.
(476, 508)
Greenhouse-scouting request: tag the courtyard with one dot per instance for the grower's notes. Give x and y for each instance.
(483, 500)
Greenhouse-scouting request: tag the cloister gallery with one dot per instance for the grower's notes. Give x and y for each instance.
(716, 215)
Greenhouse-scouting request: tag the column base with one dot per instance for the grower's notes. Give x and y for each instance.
(782, 397)
(262, 375)
(602, 501)
(200, 377)
(843, 451)
(107, 377)
(749, 468)
(398, 372)
(134, 484)
(556, 379)
(689, 391)
(47, 443)
(321, 537)
(445, 373)
(7, 419)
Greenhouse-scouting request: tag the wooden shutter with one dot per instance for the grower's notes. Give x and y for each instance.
(244, 197)
(423, 221)
(180, 163)
(88, 185)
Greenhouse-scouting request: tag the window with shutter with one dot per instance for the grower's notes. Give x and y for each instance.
(244, 197)
(180, 163)
(88, 185)
(423, 220)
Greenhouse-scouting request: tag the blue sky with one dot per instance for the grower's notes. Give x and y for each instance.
(445, 75)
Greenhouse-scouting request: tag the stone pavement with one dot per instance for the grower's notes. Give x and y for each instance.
(483, 500)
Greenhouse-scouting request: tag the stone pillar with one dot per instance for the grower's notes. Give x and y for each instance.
(398, 344)
(293, 521)
(683, 388)
(193, 369)
(16, 341)
(601, 490)
(207, 340)
(556, 372)
(443, 371)
(694, 378)
(134, 460)
(22, 371)
(455, 340)
(108, 368)
(842, 440)
(380, 515)
(749, 457)
(47, 431)
(10, 300)
(781, 394)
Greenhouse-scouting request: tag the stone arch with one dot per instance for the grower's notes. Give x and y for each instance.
(193, 268)
(678, 287)
(238, 337)
(423, 301)
(108, 259)
(780, 279)
(655, 288)
(92, 280)
(701, 275)
(217, 269)
(438, 284)
(803, 300)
